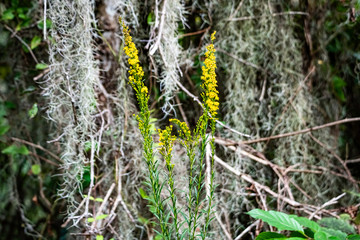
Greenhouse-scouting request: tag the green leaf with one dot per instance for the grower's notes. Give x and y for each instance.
(90, 198)
(35, 42)
(90, 220)
(279, 220)
(7, 15)
(269, 235)
(102, 216)
(335, 233)
(320, 236)
(13, 150)
(33, 111)
(36, 169)
(338, 85)
(41, 66)
(4, 128)
(99, 237)
(337, 224)
(305, 222)
(143, 193)
(354, 237)
(48, 24)
(99, 199)
(151, 19)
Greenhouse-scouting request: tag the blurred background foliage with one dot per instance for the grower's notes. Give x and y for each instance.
(327, 38)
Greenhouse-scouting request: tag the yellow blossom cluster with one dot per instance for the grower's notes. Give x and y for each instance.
(184, 131)
(210, 94)
(136, 72)
(166, 141)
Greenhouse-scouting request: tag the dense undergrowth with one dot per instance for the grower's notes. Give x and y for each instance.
(71, 151)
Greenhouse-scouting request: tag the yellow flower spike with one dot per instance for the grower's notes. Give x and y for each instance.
(210, 95)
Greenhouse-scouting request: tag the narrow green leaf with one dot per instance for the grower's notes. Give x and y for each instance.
(279, 220)
(99, 237)
(41, 66)
(102, 216)
(33, 111)
(36, 169)
(35, 42)
(99, 199)
(90, 220)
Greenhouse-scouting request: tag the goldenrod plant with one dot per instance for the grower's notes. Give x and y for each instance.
(194, 142)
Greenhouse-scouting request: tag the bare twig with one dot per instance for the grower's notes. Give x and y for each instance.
(328, 203)
(36, 146)
(352, 161)
(194, 33)
(102, 206)
(247, 230)
(223, 227)
(346, 120)
(22, 41)
(162, 21)
(196, 99)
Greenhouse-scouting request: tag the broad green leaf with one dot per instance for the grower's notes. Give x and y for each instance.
(337, 224)
(4, 128)
(36, 169)
(305, 222)
(334, 238)
(320, 236)
(7, 15)
(99, 237)
(33, 111)
(90, 220)
(279, 220)
(354, 237)
(35, 42)
(41, 66)
(269, 235)
(13, 149)
(335, 233)
(99, 199)
(102, 216)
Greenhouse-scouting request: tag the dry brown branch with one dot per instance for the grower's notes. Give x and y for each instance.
(247, 230)
(352, 161)
(342, 162)
(36, 146)
(194, 33)
(223, 227)
(328, 203)
(346, 120)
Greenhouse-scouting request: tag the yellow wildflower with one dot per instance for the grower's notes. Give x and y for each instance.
(166, 141)
(136, 72)
(210, 94)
